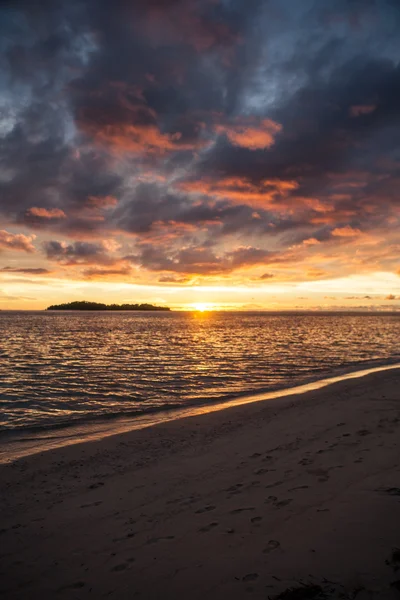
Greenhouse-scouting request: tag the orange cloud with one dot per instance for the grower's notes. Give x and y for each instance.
(128, 124)
(120, 271)
(46, 213)
(346, 232)
(16, 241)
(316, 273)
(311, 242)
(139, 138)
(240, 190)
(247, 134)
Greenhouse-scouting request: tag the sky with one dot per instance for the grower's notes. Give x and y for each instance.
(233, 154)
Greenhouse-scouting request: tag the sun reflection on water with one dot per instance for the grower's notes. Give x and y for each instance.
(203, 307)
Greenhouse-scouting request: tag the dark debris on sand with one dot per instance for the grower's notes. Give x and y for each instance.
(328, 591)
(304, 592)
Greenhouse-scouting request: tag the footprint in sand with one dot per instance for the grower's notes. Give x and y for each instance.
(250, 577)
(72, 586)
(299, 487)
(96, 485)
(256, 519)
(271, 499)
(124, 537)
(254, 483)
(305, 462)
(363, 432)
(92, 504)
(272, 485)
(255, 455)
(236, 511)
(261, 471)
(120, 567)
(267, 458)
(159, 539)
(205, 509)
(283, 503)
(235, 487)
(208, 527)
(278, 503)
(271, 546)
(322, 474)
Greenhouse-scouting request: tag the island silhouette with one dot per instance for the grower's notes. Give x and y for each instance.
(85, 305)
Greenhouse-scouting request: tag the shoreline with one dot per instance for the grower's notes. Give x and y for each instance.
(16, 444)
(247, 502)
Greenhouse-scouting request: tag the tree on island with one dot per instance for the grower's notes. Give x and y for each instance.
(85, 305)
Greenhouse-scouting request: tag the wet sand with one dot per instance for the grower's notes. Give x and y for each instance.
(299, 493)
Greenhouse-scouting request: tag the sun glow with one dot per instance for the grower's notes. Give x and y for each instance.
(202, 307)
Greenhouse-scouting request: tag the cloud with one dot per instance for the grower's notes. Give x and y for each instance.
(79, 253)
(105, 202)
(16, 241)
(46, 213)
(346, 232)
(173, 279)
(246, 134)
(198, 260)
(205, 137)
(26, 270)
(241, 191)
(357, 111)
(108, 273)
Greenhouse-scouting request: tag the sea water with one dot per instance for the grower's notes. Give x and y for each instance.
(63, 368)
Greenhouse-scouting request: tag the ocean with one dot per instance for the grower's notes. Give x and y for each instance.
(63, 368)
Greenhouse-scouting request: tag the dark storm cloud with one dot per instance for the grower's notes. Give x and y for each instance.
(321, 133)
(187, 124)
(78, 253)
(151, 204)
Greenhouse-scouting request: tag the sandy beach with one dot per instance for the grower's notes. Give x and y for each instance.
(290, 498)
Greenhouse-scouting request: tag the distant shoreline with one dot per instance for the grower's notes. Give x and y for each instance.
(84, 305)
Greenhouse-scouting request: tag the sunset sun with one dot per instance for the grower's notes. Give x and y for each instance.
(202, 307)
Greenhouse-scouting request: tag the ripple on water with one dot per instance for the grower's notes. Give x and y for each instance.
(56, 368)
